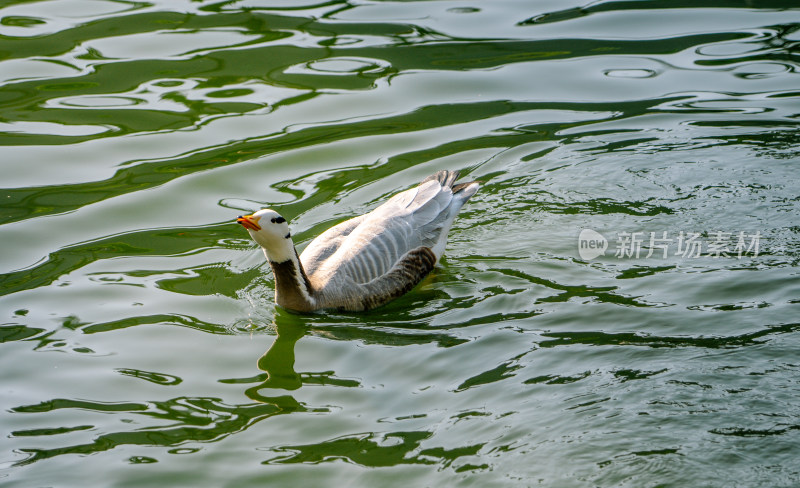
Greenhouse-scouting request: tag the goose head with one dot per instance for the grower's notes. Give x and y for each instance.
(271, 232)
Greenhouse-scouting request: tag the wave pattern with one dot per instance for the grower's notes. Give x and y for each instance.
(135, 314)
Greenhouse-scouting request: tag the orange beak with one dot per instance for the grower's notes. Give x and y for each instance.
(249, 222)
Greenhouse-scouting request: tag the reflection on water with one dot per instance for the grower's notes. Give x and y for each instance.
(194, 419)
(136, 315)
(278, 366)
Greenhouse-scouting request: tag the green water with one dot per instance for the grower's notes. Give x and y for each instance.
(139, 340)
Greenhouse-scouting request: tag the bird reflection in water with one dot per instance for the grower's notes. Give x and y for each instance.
(278, 364)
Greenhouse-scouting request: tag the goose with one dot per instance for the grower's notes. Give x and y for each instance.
(369, 260)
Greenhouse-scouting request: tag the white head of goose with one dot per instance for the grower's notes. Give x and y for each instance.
(366, 261)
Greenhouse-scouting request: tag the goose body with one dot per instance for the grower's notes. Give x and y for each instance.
(366, 261)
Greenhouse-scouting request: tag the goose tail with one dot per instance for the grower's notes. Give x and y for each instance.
(448, 178)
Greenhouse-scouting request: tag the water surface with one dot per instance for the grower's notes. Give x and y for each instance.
(140, 340)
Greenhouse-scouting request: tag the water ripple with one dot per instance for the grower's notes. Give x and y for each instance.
(139, 323)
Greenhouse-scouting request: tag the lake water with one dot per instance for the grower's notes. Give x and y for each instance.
(139, 340)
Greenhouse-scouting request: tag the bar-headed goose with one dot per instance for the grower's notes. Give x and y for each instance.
(366, 261)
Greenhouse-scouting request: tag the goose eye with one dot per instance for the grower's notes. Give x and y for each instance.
(278, 220)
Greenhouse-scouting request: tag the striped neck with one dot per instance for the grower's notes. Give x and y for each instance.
(292, 288)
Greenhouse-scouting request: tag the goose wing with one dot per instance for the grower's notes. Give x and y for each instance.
(418, 217)
(327, 243)
(409, 270)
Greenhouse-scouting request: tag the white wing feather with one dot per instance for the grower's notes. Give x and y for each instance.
(367, 247)
(327, 243)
